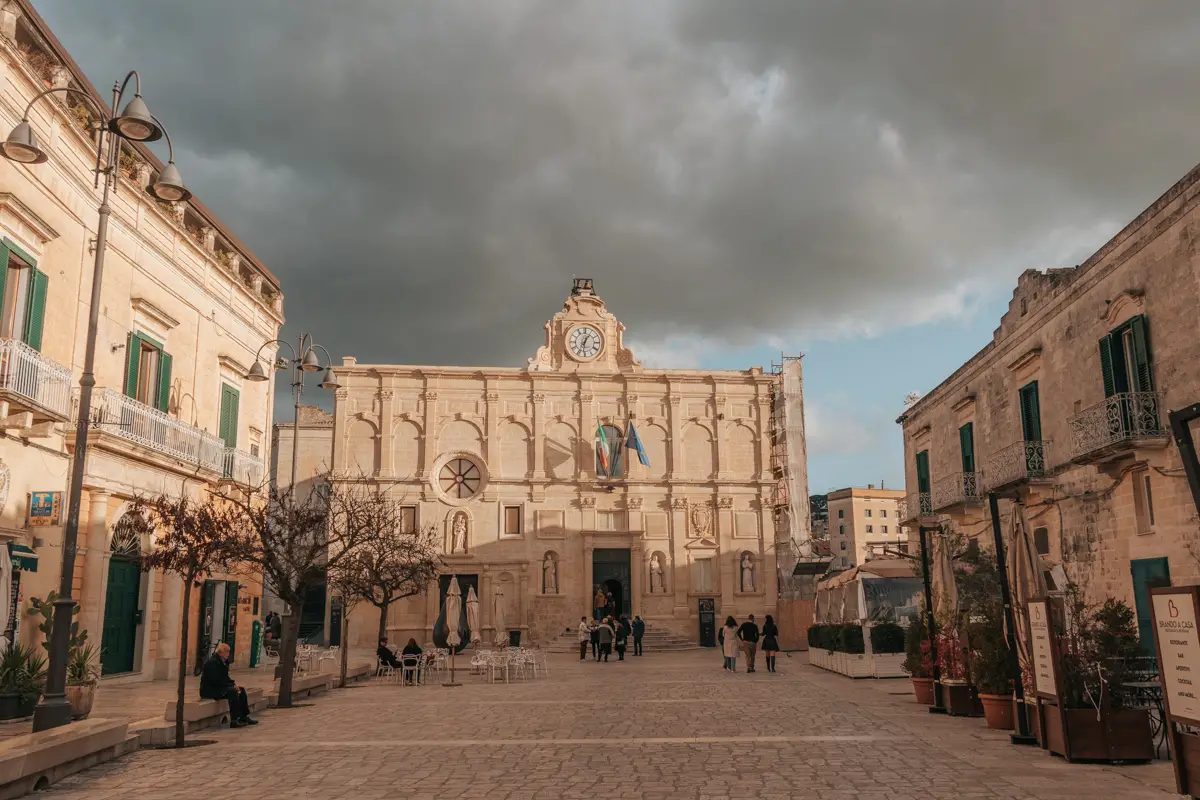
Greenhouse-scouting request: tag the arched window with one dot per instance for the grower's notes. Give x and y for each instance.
(609, 456)
(127, 537)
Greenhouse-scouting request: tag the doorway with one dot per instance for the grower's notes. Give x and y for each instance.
(1148, 573)
(119, 634)
(611, 572)
(218, 619)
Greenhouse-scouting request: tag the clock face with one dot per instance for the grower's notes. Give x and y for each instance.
(585, 342)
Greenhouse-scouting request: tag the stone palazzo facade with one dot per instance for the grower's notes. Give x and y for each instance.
(1066, 409)
(185, 306)
(504, 462)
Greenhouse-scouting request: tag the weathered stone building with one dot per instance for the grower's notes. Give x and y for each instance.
(185, 308)
(864, 524)
(1067, 408)
(505, 463)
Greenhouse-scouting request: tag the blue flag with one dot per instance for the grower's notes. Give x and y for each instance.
(633, 442)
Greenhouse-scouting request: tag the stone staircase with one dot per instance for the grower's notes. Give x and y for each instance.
(656, 640)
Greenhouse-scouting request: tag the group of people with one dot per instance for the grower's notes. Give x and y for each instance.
(608, 631)
(273, 626)
(745, 638)
(411, 653)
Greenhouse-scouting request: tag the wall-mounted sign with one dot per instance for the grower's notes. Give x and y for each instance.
(1042, 649)
(45, 509)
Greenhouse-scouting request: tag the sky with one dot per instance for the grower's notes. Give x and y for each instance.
(861, 182)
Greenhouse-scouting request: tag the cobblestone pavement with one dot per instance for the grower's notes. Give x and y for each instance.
(662, 726)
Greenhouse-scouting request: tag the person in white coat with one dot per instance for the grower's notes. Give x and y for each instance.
(585, 636)
(730, 643)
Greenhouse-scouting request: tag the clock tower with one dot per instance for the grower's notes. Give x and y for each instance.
(584, 338)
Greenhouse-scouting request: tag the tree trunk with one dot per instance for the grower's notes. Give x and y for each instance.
(345, 643)
(383, 611)
(287, 656)
(180, 687)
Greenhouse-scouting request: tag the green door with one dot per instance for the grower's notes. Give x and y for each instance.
(204, 638)
(230, 399)
(1148, 573)
(229, 635)
(120, 617)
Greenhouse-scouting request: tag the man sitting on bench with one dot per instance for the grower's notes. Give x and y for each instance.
(215, 684)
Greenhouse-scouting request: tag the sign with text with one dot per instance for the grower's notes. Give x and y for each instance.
(1174, 610)
(45, 509)
(1041, 648)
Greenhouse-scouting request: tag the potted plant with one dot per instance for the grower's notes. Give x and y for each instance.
(22, 678)
(917, 661)
(83, 674)
(988, 660)
(1091, 721)
(958, 695)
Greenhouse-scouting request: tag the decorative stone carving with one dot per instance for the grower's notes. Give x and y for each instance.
(657, 582)
(492, 397)
(747, 572)
(428, 396)
(675, 399)
(633, 502)
(458, 534)
(549, 575)
(5, 483)
(679, 503)
(385, 394)
(587, 502)
(585, 397)
(341, 394)
(725, 501)
(701, 521)
(539, 398)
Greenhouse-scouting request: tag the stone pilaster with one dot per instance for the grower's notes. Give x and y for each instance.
(539, 436)
(637, 566)
(589, 577)
(387, 438)
(91, 606)
(166, 662)
(491, 435)
(675, 441)
(585, 464)
(341, 410)
(429, 434)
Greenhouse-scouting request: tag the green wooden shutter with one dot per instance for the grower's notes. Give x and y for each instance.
(133, 364)
(1106, 366)
(230, 400)
(229, 635)
(1148, 573)
(923, 471)
(1141, 377)
(4, 251)
(39, 284)
(966, 442)
(1031, 413)
(164, 381)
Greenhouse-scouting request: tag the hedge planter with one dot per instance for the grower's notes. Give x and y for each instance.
(923, 689)
(14, 706)
(1119, 735)
(961, 700)
(998, 711)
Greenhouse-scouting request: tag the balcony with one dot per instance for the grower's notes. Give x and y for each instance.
(30, 382)
(957, 490)
(122, 417)
(915, 506)
(1119, 425)
(1018, 463)
(242, 468)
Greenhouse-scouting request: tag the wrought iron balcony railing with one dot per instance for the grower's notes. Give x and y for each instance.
(126, 418)
(242, 468)
(957, 489)
(1018, 463)
(1121, 419)
(915, 506)
(33, 378)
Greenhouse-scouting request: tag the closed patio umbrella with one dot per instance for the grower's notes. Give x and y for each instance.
(473, 632)
(498, 616)
(945, 589)
(1025, 573)
(5, 595)
(453, 620)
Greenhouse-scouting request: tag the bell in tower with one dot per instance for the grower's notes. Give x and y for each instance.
(582, 288)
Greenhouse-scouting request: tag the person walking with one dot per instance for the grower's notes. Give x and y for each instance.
(595, 635)
(585, 636)
(610, 605)
(748, 633)
(770, 642)
(622, 639)
(639, 630)
(607, 634)
(730, 643)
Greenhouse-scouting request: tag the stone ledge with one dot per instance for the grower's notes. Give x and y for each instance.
(36, 760)
(198, 710)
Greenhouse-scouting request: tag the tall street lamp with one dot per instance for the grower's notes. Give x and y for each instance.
(304, 359)
(134, 123)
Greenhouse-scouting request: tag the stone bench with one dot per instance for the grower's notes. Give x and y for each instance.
(36, 760)
(210, 711)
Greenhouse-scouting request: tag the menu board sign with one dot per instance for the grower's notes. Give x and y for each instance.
(1042, 649)
(1179, 652)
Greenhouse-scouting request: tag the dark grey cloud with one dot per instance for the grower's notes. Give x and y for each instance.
(426, 176)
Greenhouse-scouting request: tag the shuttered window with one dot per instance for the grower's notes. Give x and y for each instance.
(1031, 413)
(966, 443)
(1125, 359)
(923, 471)
(23, 290)
(230, 400)
(148, 372)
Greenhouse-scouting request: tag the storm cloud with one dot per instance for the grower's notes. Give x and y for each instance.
(425, 177)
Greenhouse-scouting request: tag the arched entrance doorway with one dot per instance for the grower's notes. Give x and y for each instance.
(119, 633)
(610, 571)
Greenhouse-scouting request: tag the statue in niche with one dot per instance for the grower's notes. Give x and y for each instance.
(458, 534)
(656, 576)
(549, 575)
(747, 573)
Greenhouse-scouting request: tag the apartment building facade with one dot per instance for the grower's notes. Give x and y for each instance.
(1066, 411)
(864, 524)
(185, 307)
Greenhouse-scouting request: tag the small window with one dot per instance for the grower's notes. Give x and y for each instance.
(16, 298)
(843, 545)
(1041, 541)
(883, 528)
(841, 530)
(254, 611)
(1143, 501)
(870, 529)
(841, 513)
(254, 450)
(512, 520)
(408, 519)
(147, 374)
(868, 513)
(883, 513)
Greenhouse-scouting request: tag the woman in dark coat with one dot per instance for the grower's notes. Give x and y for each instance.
(770, 642)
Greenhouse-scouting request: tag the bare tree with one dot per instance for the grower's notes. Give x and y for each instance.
(195, 538)
(392, 563)
(295, 537)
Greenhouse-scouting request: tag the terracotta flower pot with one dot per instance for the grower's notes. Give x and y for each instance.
(923, 689)
(998, 711)
(81, 697)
